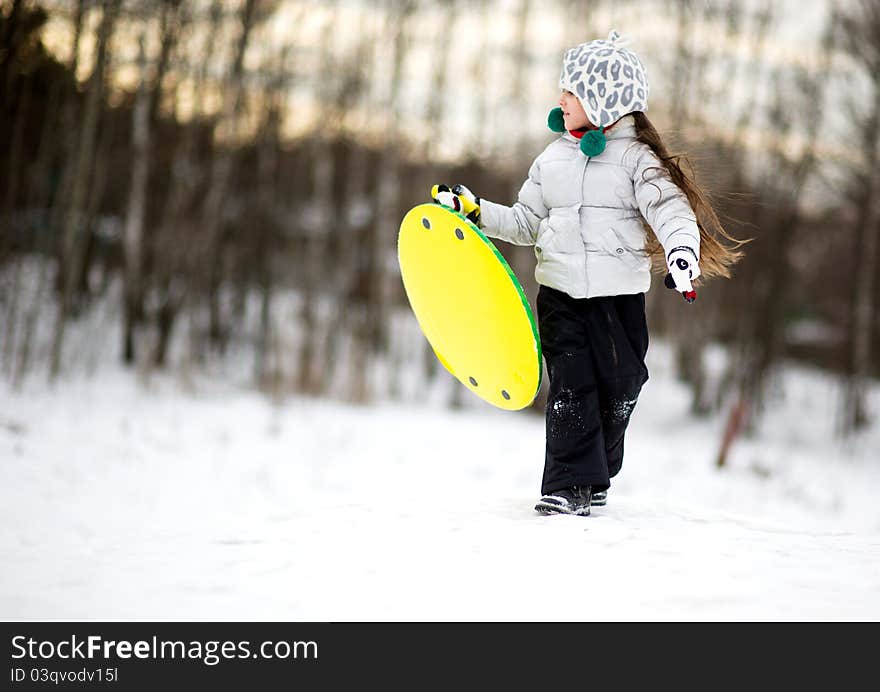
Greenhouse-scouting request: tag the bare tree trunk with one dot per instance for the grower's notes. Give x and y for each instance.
(133, 233)
(144, 115)
(169, 28)
(384, 279)
(74, 234)
(439, 77)
(221, 173)
(69, 130)
(522, 63)
(11, 297)
(173, 242)
(322, 222)
(40, 196)
(39, 185)
(480, 145)
(860, 32)
(10, 39)
(359, 218)
(855, 410)
(681, 71)
(267, 202)
(15, 167)
(317, 234)
(100, 174)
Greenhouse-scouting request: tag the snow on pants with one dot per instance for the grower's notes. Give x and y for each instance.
(595, 354)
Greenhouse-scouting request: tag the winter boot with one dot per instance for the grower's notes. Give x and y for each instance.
(573, 500)
(600, 497)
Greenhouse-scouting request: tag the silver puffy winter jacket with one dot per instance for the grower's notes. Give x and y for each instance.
(583, 215)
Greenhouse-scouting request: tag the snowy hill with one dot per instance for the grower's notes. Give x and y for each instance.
(119, 501)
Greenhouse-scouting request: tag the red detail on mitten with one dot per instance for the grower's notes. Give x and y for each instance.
(690, 296)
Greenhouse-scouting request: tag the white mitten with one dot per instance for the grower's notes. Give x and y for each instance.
(459, 199)
(683, 269)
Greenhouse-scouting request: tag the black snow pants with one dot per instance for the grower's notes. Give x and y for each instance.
(595, 353)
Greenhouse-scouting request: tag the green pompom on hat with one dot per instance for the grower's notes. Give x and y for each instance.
(593, 142)
(555, 121)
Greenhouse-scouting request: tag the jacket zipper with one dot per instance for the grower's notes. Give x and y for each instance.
(583, 240)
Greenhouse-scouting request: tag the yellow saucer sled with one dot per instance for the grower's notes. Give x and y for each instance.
(470, 306)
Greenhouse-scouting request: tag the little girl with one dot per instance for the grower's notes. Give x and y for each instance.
(600, 203)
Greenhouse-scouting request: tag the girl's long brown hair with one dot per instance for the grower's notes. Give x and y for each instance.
(718, 249)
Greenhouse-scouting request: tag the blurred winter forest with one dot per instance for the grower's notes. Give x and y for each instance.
(224, 180)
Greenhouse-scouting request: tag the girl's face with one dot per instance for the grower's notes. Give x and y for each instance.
(573, 112)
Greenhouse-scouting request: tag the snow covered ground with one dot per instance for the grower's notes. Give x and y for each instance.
(125, 501)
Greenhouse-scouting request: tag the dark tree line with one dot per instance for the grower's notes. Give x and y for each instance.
(227, 212)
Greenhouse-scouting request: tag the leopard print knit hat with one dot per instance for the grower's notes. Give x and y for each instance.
(609, 81)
